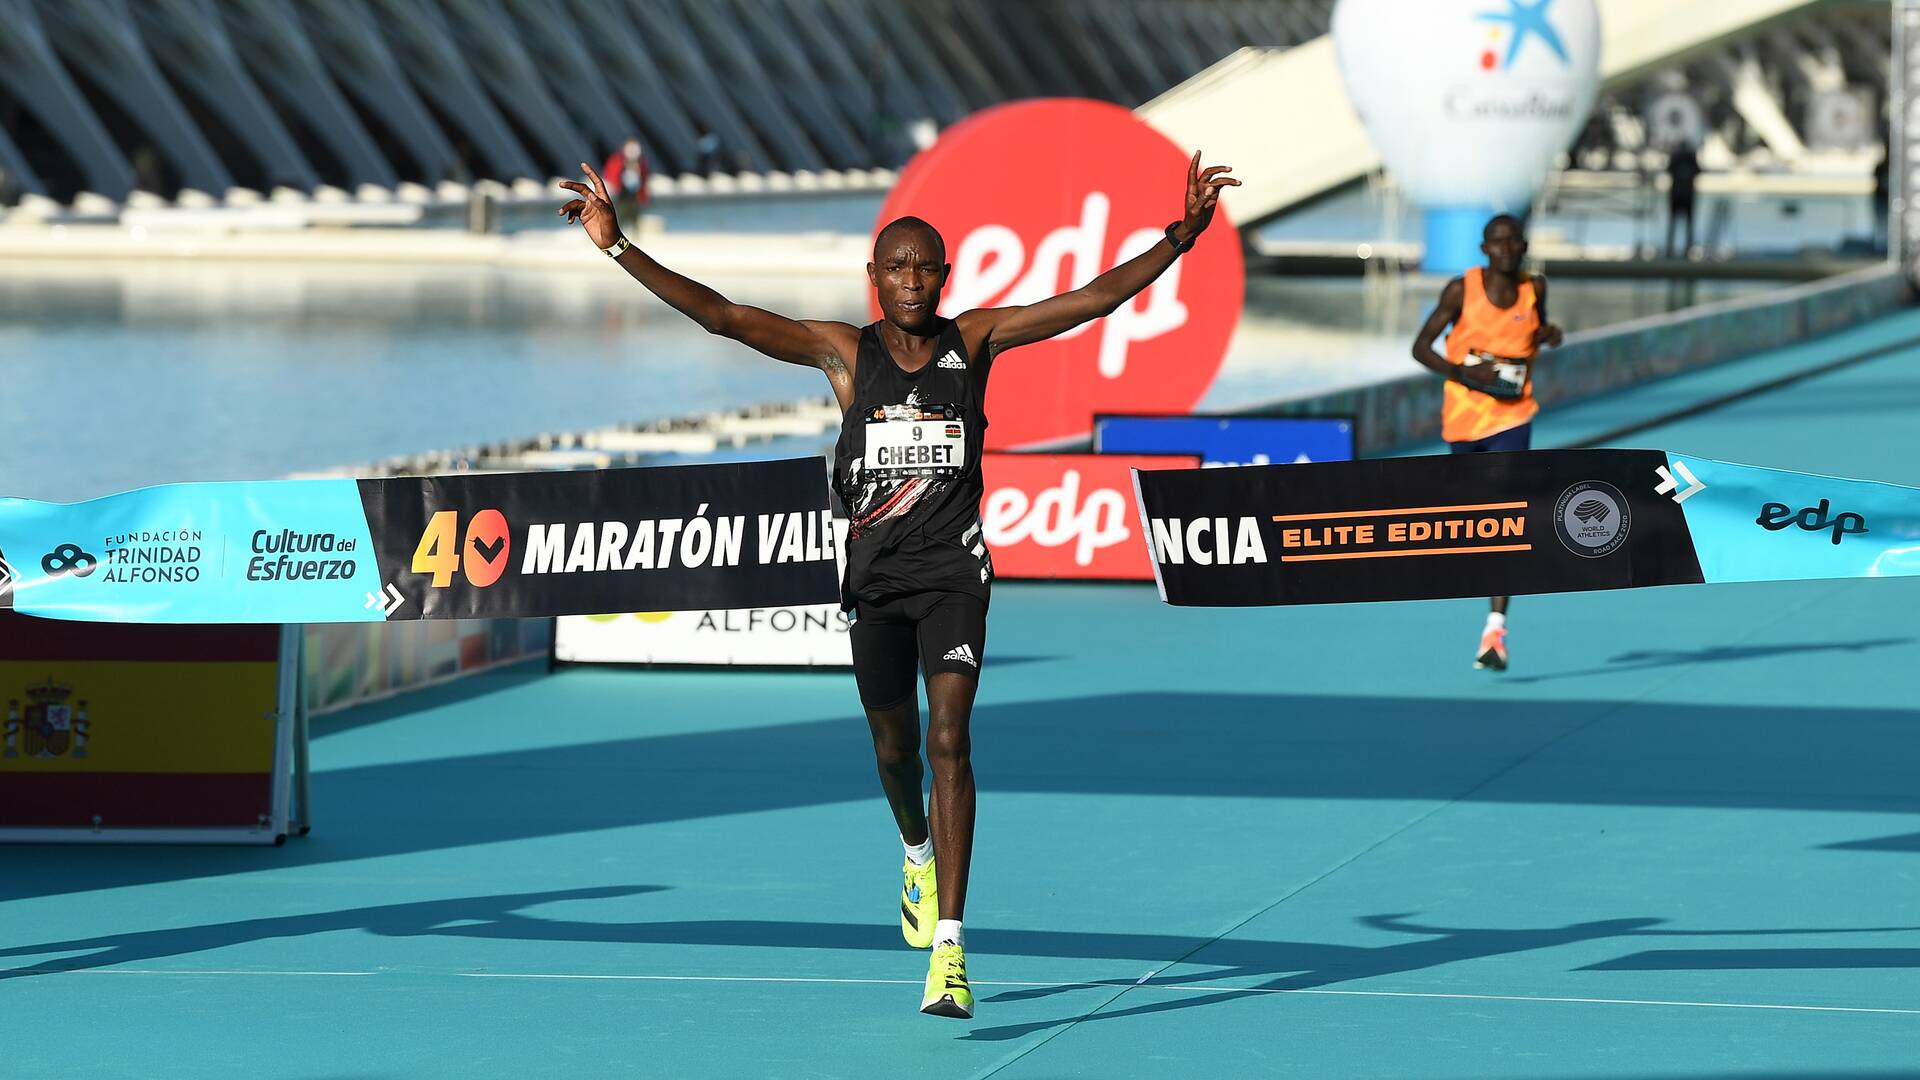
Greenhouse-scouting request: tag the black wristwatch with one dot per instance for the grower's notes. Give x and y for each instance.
(1178, 247)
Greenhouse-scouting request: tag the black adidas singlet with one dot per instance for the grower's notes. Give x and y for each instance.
(908, 468)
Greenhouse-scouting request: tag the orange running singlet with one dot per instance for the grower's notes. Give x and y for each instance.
(1468, 415)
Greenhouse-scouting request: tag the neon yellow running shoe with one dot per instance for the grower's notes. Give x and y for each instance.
(919, 904)
(947, 991)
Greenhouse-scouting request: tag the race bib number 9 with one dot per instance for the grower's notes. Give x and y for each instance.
(916, 440)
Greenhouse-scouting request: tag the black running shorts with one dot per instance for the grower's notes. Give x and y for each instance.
(936, 631)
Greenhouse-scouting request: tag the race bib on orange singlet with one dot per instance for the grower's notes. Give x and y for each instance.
(1511, 374)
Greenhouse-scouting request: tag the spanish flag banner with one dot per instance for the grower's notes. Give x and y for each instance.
(1468, 525)
(116, 729)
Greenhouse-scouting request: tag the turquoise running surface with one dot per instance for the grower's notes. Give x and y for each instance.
(1679, 839)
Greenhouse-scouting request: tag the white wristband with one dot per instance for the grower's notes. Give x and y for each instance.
(617, 248)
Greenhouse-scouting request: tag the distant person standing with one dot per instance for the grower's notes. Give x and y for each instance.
(150, 170)
(1499, 317)
(627, 175)
(1683, 168)
(1882, 193)
(707, 149)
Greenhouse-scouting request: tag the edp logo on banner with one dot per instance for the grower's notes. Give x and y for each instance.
(1067, 515)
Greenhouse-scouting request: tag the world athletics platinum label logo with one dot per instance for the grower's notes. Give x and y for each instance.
(1592, 519)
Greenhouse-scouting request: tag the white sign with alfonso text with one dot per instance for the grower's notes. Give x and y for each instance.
(814, 636)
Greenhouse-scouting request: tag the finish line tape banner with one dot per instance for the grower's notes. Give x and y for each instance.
(1473, 525)
(751, 534)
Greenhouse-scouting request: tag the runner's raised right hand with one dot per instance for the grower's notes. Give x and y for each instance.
(593, 210)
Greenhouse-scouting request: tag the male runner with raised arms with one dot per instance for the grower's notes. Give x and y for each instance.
(1499, 318)
(912, 391)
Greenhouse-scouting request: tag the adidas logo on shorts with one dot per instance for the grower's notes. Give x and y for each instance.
(962, 653)
(952, 360)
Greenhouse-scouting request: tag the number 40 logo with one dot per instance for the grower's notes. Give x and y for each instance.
(482, 557)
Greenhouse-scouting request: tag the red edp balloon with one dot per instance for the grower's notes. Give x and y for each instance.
(1037, 198)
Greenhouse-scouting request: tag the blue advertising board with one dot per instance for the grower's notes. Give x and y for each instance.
(1228, 440)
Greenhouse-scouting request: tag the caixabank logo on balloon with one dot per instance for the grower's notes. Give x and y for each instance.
(1508, 31)
(1541, 90)
(1039, 197)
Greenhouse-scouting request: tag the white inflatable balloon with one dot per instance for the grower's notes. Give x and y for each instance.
(1468, 101)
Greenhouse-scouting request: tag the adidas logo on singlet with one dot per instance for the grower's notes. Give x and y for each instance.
(962, 653)
(952, 360)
